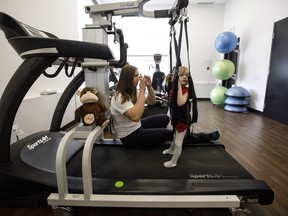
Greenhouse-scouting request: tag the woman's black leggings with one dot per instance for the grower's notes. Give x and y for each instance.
(154, 131)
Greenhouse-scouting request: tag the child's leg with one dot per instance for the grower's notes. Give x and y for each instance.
(172, 147)
(179, 137)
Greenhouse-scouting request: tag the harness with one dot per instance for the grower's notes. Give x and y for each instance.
(192, 99)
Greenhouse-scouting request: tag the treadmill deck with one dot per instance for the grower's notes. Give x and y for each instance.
(206, 169)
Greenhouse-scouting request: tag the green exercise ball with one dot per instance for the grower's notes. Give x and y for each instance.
(217, 95)
(223, 69)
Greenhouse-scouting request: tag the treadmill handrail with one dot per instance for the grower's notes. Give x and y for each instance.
(46, 47)
(61, 170)
(87, 158)
(123, 51)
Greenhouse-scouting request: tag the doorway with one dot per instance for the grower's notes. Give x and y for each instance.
(276, 99)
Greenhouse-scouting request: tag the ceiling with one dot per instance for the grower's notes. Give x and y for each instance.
(168, 2)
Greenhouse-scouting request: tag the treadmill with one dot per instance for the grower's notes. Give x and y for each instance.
(57, 166)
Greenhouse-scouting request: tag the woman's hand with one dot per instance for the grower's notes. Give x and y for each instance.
(135, 113)
(142, 84)
(148, 81)
(151, 98)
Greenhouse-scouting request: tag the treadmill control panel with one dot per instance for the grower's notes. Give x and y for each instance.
(33, 31)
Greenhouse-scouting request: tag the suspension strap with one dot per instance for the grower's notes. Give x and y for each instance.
(192, 99)
(191, 84)
(178, 60)
(174, 41)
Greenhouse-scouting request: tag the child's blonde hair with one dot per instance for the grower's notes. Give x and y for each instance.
(183, 70)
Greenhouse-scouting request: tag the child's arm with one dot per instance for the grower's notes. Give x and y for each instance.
(181, 98)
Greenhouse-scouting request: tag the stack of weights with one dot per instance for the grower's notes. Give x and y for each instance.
(237, 99)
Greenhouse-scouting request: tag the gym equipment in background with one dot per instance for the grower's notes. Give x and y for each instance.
(161, 105)
(233, 56)
(55, 165)
(217, 95)
(238, 92)
(158, 75)
(237, 99)
(223, 69)
(226, 42)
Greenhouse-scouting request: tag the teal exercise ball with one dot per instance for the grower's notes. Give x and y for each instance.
(226, 42)
(223, 69)
(217, 95)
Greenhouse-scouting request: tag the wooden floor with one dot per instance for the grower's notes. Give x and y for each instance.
(257, 143)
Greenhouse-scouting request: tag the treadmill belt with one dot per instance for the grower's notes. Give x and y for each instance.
(200, 162)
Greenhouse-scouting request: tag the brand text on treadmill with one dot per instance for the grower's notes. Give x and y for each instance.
(43, 140)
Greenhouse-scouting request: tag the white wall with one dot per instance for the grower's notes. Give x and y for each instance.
(253, 21)
(205, 23)
(35, 114)
(145, 40)
(83, 17)
(59, 18)
(152, 36)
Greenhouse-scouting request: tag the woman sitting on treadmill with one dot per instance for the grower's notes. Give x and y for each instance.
(127, 107)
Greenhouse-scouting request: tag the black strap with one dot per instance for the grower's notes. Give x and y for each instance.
(191, 84)
(178, 60)
(192, 94)
(170, 49)
(174, 41)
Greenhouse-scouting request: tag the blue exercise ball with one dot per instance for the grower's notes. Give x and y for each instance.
(226, 42)
(217, 95)
(238, 91)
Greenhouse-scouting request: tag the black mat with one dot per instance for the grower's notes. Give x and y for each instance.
(200, 162)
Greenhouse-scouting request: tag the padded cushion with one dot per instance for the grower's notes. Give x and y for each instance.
(233, 108)
(236, 101)
(237, 91)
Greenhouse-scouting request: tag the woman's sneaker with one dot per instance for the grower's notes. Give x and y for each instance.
(215, 135)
